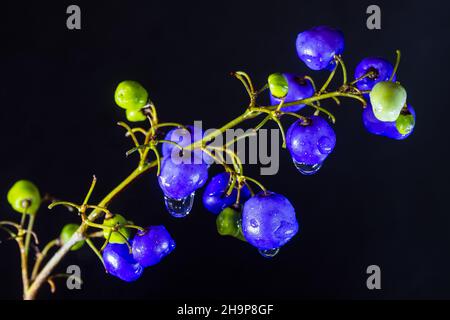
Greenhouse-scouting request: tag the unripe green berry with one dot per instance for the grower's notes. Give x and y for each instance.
(135, 115)
(130, 95)
(67, 233)
(229, 223)
(116, 221)
(405, 123)
(278, 85)
(24, 196)
(387, 99)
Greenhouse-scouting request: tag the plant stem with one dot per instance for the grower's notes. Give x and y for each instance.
(28, 235)
(41, 257)
(31, 291)
(96, 251)
(23, 264)
(246, 115)
(41, 278)
(318, 98)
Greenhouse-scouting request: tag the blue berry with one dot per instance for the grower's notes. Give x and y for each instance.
(179, 179)
(215, 198)
(310, 141)
(318, 46)
(151, 246)
(389, 129)
(184, 137)
(298, 88)
(268, 221)
(120, 263)
(382, 68)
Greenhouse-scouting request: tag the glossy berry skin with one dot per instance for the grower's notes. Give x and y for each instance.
(24, 196)
(135, 115)
(130, 95)
(120, 263)
(268, 221)
(67, 233)
(215, 198)
(387, 99)
(151, 246)
(229, 223)
(382, 67)
(184, 137)
(179, 179)
(387, 129)
(298, 88)
(318, 46)
(310, 142)
(117, 219)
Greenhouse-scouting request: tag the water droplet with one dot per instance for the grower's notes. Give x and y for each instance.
(325, 145)
(254, 223)
(269, 253)
(307, 169)
(179, 208)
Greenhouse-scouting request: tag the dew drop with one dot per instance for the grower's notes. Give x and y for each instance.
(179, 208)
(307, 169)
(269, 253)
(325, 145)
(254, 223)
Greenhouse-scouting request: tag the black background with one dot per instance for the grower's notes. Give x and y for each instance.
(376, 201)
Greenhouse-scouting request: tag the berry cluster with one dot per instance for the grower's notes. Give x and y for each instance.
(148, 248)
(183, 155)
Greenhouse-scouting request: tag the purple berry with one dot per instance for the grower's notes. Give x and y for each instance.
(215, 199)
(318, 46)
(380, 66)
(268, 221)
(179, 179)
(310, 141)
(120, 263)
(184, 137)
(386, 129)
(298, 88)
(151, 246)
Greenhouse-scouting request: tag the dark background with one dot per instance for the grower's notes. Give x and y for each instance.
(376, 201)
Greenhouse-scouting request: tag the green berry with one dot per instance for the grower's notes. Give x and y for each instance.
(130, 95)
(278, 85)
(24, 196)
(229, 223)
(405, 123)
(67, 233)
(116, 221)
(387, 99)
(135, 115)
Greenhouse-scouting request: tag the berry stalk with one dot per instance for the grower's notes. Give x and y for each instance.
(31, 291)
(309, 141)
(251, 112)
